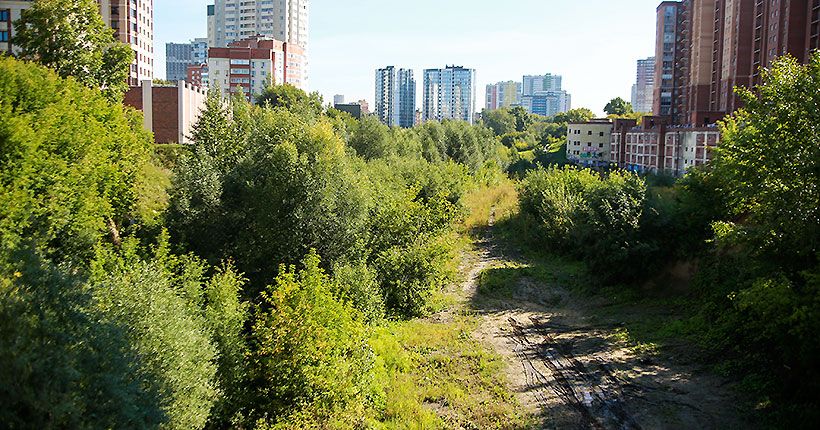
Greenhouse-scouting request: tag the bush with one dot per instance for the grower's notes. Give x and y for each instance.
(291, 189)
(608, 221)
(310, 356)
(410, 274)
(166, 328)
(63, 362)
(71, 164)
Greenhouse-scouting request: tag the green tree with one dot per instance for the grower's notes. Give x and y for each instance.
(371, 139)
(70, 37)
(779, 197)
(574, 115)
(618, 106)
(500, 121)
(289, 97)
(523, 119)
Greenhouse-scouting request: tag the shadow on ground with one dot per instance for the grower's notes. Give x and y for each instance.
(572, 359)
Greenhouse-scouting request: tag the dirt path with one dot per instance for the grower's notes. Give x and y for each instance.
(566, 370)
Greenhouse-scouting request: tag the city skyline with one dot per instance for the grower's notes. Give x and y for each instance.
(349, 41)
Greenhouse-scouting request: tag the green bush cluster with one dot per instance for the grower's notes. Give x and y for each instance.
(759, 277)
(221, 322)
(608, 221)
(748, 222)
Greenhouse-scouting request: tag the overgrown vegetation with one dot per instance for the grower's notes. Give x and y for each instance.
(235, 283)
(747, 223)
(268, 276)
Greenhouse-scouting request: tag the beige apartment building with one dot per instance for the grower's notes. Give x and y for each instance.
(588, 143)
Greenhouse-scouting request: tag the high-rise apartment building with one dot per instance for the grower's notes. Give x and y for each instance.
(248, 65)
(180, 56)
(10, 11)
(133, 24)
(644, 88)
(395, 97)
(538, 83)
(232, 20)
(503, 95)
(542, 95)
(132, 21)
(705, 48)
(670, 60)
(547, 103)
(449, 93)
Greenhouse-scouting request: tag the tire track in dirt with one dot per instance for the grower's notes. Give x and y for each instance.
(567, 372)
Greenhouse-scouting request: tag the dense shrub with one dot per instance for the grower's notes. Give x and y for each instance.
(63, 362)
(310, 358)
(157, 306)
(610, 221)
(291, 189)
(765, 316)
(71, 163)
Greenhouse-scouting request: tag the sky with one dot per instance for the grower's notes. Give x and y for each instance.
(593, 44)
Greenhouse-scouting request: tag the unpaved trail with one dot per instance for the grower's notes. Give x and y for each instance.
(565, 370)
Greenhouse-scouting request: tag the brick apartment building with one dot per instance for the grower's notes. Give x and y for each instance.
(169, 111)
(704, 48)
(198, 75)
(250, 63)
(659, 147)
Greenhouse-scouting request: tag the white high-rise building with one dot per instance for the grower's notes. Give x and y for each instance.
(395, 97)
(449, 93)
(540, 83)
(543, 95)
(284, 20)
(644, 89)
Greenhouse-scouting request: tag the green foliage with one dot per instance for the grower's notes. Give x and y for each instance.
(618, 106)
(291, 98)
(226, 316)
(310, 357)
(292, 188)
(358, 285)
(500, 121)
(764, 258)
(523, 120)
(574, 115)
(457, 141)
(70, 37)
(371, 139)
(63, 363)
(157, 304)
(411, 273)
(780, 198)
(71, 164)
(611, 222)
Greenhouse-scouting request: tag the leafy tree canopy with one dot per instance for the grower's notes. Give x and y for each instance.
(289, 97)
(618, 106)
(70, 37)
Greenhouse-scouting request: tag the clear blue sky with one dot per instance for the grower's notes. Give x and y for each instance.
(593, 43)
